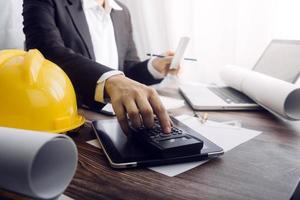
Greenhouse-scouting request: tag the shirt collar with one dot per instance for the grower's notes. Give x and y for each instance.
(109, 4)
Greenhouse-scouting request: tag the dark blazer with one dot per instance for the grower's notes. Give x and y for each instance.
(58, 28)
(296, 195)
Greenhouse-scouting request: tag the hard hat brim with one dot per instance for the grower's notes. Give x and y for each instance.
(79, 122)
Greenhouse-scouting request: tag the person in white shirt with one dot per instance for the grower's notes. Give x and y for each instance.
(11, 34)
(91, 40)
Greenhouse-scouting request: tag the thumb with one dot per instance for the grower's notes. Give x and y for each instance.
(169, 53)
(168, 59)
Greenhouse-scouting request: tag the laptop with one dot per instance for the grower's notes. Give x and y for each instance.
(123, 151)
(281, 59)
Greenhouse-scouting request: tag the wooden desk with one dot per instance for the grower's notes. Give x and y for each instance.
(267, 167)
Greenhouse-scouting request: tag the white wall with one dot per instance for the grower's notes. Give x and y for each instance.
(222, 32)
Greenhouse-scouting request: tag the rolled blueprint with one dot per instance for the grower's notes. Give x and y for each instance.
(36, 164)
(275, 95)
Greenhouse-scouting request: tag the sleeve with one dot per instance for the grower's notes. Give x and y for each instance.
(156, 74)
(99, 93)
(296, 194)
(42, 33)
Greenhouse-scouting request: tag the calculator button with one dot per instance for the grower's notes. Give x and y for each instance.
(164, 135)
(152, 133)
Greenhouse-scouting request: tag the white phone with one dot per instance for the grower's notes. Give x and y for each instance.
(179, 52)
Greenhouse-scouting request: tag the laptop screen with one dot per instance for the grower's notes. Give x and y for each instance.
(281, 60)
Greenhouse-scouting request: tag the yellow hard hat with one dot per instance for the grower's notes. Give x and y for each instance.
(36, 94)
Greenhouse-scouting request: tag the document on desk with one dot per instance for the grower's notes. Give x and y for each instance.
(222, 134)
(64, 197)
(171, 103)
(278, 96)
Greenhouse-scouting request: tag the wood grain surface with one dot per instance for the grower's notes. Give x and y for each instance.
(266, 167)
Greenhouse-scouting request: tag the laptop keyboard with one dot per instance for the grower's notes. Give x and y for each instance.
(230, 95)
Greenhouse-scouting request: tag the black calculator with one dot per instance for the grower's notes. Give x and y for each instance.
(176, 143)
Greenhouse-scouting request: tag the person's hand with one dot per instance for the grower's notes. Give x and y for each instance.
(162, 65)
(138, 101)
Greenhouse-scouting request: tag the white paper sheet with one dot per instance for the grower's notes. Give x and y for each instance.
(176, 169)
(108, 108)
(64, 197)
(94, 143)
(225, 136)
(171, 103)
(277, 96)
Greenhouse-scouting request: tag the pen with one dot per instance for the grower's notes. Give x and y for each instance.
(160, 56)
(203, 119)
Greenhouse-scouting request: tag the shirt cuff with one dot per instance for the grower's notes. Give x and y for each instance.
(99, 93)
(156, 74)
